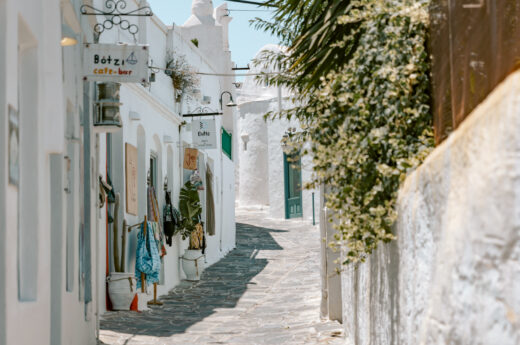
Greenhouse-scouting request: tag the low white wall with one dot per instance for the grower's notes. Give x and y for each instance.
(453, 275)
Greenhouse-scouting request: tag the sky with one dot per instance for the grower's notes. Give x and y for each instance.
(244, 40)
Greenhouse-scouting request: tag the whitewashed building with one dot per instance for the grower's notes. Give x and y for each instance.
(47, 272)
(153, 122)
(266, 176)
(54, 236)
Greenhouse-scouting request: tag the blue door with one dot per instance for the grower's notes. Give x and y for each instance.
(293, 186)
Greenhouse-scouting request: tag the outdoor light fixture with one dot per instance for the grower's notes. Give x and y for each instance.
(68, 36)
(107, 117)
(231, 102)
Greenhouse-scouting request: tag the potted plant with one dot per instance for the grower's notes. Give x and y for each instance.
(182, 74)
(191, 227)
(121, 285)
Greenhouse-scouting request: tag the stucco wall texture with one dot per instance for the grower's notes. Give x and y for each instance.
(453, 275)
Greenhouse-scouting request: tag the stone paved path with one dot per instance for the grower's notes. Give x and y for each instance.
(266, 291)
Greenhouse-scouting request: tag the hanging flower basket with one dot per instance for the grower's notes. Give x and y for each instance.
(183, 76)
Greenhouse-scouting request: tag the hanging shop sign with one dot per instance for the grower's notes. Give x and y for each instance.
(190, 158)
(204, 134)
(131, 179)
(116, 62)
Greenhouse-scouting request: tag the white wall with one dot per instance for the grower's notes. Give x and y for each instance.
(3, 169)
(32, 62)
(453, 275)
(254, 154)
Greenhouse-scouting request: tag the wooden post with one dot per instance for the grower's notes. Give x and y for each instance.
(154, 301)
(143, 278)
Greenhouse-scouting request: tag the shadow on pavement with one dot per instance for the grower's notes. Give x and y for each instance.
(221, 286)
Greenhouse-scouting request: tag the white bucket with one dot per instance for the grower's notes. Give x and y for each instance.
(121, 289)
(193, 264)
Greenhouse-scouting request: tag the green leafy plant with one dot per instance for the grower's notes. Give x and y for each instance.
(191, 210)
(363, 102)
(195, 42)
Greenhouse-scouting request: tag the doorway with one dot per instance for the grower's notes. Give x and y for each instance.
(293, 185)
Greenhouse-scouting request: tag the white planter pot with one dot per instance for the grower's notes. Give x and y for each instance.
(193, 264)
(121, 289)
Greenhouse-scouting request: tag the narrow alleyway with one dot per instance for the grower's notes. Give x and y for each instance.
(266, 291)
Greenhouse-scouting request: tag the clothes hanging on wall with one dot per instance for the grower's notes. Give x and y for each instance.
(153, 215)
(147, 259)
(210, 204)
(171, 219)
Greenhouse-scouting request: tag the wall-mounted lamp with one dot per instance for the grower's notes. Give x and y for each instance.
(231, 102)
(68, 36)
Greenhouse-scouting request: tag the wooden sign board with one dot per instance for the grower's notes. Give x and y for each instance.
(131, 178)
(190, 158)
(121, 63)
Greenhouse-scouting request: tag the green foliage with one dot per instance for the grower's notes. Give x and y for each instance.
(315, 38)
(368, 120)
(190, 209)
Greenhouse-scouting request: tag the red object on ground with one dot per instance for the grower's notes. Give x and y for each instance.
(133, 306)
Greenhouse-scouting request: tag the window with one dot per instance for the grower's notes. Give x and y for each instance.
(227, 143)
(153, 170)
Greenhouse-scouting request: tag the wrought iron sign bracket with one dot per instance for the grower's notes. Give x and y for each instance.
(202, 111)
(114, 16)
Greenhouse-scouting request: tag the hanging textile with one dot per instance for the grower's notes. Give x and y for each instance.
(171, 219)
(153, 215)
(147, 260)
(210, 204)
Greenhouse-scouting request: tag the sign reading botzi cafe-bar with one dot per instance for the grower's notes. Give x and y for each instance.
(116, 63)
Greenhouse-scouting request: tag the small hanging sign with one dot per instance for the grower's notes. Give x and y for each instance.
(204, 134)
(190, 158)
(116, 62)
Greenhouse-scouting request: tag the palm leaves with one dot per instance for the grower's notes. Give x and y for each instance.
(190, 209)
(318, 41)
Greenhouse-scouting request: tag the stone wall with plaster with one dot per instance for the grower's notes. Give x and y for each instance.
(453, 275)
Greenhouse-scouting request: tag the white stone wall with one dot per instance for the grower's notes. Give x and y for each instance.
(261, 165)
(453, 275)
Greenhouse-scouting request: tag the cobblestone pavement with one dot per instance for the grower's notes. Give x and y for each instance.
(266, 291)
